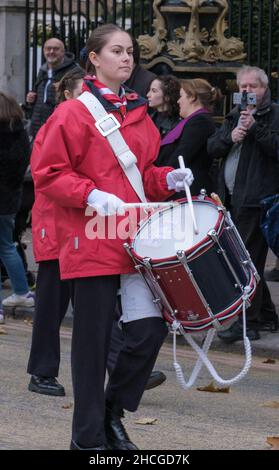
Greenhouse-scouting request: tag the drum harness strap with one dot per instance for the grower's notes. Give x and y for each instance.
(108, 126)
(202, 353)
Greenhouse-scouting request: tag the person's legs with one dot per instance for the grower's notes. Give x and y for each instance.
(94, 301)
(144, 331)
(52, 300)
(116, 340)
(248, 224)
(268, 315)
(156, 377)
(247, 221)
(142, 342)
(10, 257)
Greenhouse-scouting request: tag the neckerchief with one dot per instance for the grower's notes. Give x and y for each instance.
(120, 102)
(176, 132)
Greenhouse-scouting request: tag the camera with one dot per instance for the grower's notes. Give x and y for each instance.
(244, 99)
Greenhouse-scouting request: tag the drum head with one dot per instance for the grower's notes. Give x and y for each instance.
(170, 230)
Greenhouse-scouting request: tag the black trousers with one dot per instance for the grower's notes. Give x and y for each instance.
(247, 221)
(94, 302)
(116, 339)
(52, 300)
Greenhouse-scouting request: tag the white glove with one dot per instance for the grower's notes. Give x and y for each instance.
(176, 179)
(105, 203)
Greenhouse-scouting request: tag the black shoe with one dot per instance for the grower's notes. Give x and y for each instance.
(117, 436)
(235, 333)
(156, 378)
(46, 386)
(272, 275)
(75, 446)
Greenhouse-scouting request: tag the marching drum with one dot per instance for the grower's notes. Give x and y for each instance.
(199, 279)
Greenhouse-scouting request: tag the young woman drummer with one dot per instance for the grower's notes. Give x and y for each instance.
(78, 167)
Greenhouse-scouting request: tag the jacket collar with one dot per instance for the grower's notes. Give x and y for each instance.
(133, 99)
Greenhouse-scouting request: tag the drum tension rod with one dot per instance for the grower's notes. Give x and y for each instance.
(213, 235)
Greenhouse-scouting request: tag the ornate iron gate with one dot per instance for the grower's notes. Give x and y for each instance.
(256, 22)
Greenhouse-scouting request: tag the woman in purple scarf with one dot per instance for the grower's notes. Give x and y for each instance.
(189, 136)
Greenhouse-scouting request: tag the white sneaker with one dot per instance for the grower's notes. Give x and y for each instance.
(2, 318)
(15, 300)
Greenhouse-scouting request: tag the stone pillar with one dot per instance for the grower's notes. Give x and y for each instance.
(12, 50)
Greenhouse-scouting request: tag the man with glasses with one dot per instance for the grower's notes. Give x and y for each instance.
(42, 97)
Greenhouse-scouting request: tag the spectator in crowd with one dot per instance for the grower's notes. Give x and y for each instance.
(14, 159)
(77, 168)
(189, 137)
(162, 97)
(247, 144)
(42, 97)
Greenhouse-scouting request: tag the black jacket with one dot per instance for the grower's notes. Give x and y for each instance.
(192, 146)
(40, 110)
(14, 159)
(140, 80)
(257, 173)
(163, 122)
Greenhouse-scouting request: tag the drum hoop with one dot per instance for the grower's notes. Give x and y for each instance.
(194, 251)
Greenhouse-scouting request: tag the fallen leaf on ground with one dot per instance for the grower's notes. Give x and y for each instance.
(146, 421)
(3, 331)
(66, 406)
(213, 389)
(271, 404)
(269, 361)
(28, 321)
(274, 442)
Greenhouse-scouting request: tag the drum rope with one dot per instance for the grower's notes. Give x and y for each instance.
(203, 359)
(198, 365)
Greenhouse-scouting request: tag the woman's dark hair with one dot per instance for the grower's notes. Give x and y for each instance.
(98, 39)
(11, 113)
(68, 82)
(201, 89)
(171, 92)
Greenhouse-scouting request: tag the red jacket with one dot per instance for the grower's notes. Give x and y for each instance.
(71, 158)
(44, 239)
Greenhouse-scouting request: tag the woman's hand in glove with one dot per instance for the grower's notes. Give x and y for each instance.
(177, 178)
(105, 203)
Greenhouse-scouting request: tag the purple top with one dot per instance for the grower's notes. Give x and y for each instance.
(176, 132)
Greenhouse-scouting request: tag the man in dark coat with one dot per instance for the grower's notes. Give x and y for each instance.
(42, 98)
(140, 79)
(247, 143)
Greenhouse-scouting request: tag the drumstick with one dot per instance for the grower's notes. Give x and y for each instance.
(216, 198)
(189, 197)
(149, 205)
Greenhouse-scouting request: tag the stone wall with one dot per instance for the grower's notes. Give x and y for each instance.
(12, 51)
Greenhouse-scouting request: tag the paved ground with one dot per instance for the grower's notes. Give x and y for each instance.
(242, 419)
(184, 419)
